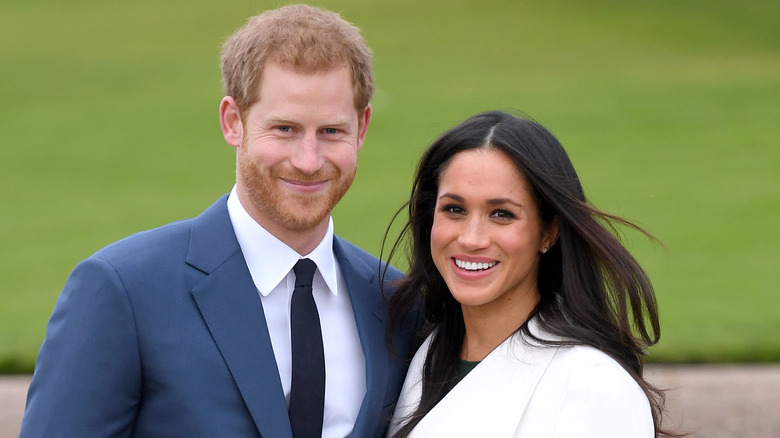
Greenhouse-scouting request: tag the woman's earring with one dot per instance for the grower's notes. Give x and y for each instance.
(544, 250)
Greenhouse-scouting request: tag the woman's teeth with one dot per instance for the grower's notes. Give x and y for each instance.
(472, 266)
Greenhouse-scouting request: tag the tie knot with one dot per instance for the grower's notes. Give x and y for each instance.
(304, 272)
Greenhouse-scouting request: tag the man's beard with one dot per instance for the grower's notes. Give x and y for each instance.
(295, 211)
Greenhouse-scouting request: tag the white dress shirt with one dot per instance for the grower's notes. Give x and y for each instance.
(270, 262)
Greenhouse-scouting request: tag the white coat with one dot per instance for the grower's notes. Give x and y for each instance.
(522, 389)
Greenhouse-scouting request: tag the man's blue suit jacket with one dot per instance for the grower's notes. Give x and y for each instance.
(162, 334)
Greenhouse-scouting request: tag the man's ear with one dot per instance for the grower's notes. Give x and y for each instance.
(363, 119)
(230, 120)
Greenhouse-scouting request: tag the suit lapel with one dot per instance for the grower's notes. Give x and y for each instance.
(228, 301)
(370, 315)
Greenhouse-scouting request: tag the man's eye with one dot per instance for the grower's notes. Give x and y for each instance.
(330, 130)
(285, 128)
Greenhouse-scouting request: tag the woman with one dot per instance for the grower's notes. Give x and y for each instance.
(538, 318)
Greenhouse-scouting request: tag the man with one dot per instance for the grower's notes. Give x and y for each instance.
(185, 331)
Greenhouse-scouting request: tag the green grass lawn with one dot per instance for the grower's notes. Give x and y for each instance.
(669, 110)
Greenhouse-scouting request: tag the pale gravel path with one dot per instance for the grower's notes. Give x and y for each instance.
(709, 401)
(13, 392)
(722, 401)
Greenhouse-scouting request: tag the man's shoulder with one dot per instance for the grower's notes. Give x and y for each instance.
(349, 249)
(161, 241)
(143, 243)
(359, 257)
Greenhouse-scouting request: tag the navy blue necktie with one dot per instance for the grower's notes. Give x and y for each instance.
(307, 391)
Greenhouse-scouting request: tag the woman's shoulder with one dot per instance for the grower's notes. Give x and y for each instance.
(585, 359)
(586, 378)
(593, 367)
(592, 391)
(584, 354)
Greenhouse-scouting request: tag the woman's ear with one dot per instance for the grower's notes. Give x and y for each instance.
(550, 235)
(230, 120)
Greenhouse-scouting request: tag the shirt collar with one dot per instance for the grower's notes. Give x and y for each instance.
(269, 259)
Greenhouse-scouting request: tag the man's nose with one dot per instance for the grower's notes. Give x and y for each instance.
(308, 156)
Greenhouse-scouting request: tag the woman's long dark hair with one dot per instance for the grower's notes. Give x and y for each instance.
(593, 291)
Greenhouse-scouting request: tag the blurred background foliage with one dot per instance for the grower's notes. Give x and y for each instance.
(669, 110)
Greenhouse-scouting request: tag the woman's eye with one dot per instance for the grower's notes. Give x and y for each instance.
(453, 209)
(503, 214)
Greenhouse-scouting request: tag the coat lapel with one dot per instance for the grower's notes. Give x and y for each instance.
(491, 399)
(230, 306)
(370, 315)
